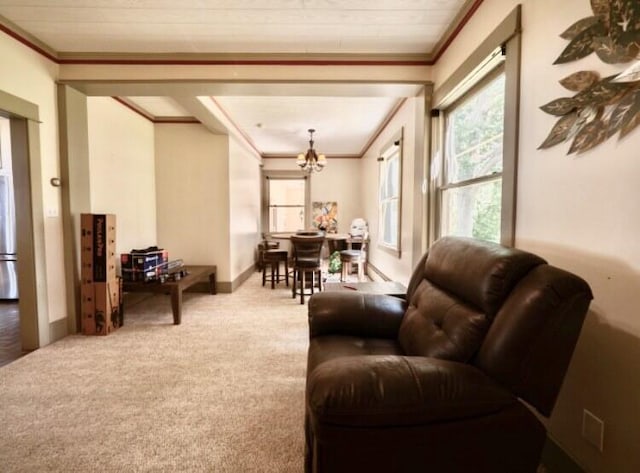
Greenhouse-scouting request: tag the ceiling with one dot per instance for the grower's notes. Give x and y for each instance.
(382, 30)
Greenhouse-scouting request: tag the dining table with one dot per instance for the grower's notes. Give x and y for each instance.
(332, 239)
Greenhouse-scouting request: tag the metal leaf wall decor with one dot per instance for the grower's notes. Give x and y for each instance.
(600, 107)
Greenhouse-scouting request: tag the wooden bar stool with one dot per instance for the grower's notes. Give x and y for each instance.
(307, 264)
(271, 259)
(263, 246)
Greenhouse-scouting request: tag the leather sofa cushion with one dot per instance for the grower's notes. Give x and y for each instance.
(330, 347)
(378, 390)
(441, 326)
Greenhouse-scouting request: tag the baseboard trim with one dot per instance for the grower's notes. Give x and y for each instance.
(372, 268)
(224, 287)
(246, 274)
(556, 460)
(227, 287)
(58, 329)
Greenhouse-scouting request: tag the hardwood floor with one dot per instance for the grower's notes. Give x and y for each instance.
(10, 346)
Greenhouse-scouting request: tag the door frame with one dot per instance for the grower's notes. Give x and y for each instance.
(27, 179)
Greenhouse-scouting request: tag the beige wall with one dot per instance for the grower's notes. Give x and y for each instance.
(27, 75)
(581, 213)
(244, 208)
(192, 195)
(398, 269)
(122, 171)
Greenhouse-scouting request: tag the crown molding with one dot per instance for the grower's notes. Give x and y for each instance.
(27, 39)
(294, 156)
(152, 118)
(221, 59)
(459, 22)
(267, 59)
(383, 125)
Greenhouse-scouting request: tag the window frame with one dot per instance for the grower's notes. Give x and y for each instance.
(505, 39)
(446, 183)
(393, 147)
(268, 176)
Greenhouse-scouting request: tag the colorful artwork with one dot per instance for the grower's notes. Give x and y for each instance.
(325, 216)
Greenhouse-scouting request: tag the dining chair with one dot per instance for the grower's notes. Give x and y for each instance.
(307, 264)
(271, 259)
(358, 255)
(263, 246)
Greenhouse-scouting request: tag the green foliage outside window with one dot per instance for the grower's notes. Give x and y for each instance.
(474, 163)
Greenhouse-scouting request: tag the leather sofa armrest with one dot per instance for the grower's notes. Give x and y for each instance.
(355, 314)
(379, 390)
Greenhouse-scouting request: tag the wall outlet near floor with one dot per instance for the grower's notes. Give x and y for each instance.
(593, 429)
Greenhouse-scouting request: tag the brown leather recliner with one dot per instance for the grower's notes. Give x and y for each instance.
(438, 382)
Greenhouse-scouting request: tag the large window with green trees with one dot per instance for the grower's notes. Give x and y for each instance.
(470, 194)
(474, 141)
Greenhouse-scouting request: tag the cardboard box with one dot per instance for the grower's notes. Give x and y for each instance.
(98, 246)
(101, 307)
(87, 309)
(143, 265)
(135, 275)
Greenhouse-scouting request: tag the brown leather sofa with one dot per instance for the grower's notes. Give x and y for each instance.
(446, 380)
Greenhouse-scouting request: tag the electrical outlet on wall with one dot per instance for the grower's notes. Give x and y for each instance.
(593, 429)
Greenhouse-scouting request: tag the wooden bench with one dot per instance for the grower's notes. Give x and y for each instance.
(194, 274)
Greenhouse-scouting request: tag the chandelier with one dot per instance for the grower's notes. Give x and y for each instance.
(311, 161)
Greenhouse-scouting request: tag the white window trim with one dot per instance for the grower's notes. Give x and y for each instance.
(283, 175)
(506, 39)
(394, 147)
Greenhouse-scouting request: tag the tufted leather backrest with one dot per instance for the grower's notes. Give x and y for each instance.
(504, 310)
(454, 294)
(530, 343)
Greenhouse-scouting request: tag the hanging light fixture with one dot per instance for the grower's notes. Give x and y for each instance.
(311, 161)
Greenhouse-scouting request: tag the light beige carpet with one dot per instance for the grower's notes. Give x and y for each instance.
(222, 392)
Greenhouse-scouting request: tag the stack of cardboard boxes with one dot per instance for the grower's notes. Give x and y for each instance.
(101, 289)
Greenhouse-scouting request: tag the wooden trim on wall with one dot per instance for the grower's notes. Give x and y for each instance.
(456, 26)
(27, 39)
(13, 105)
(381, 275)
(154, 119)
(394, 111)
(510, 144)
(294, 156)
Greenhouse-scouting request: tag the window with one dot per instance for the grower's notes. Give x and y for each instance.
(286, 203)
(474, 141)
(390, 193)
(470, 194)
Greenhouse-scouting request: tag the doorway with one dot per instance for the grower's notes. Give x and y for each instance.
(10, 343)
(22, 330)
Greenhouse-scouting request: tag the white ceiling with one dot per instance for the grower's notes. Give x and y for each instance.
(343, 124)
(275, 125)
